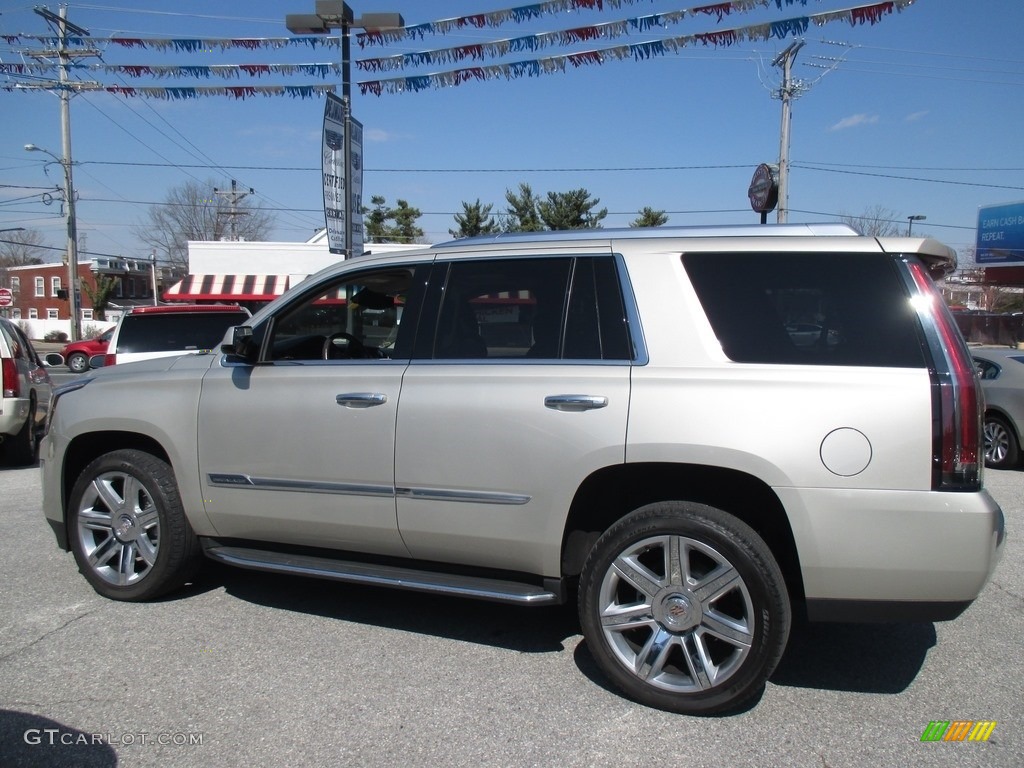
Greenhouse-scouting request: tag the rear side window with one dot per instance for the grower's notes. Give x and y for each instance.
(552, 308)
(808, 308)
(173, 332)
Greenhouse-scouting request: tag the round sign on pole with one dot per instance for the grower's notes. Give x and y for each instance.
(6, 297)
(764, 189)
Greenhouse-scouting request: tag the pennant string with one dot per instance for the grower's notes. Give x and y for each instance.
(795, 27)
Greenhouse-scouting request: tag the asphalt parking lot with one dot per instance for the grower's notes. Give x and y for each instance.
(247, 669)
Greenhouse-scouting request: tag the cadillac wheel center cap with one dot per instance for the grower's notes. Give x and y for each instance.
(124, 528)
(678, 612)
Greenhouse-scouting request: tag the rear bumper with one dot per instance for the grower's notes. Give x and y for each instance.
(893, 555)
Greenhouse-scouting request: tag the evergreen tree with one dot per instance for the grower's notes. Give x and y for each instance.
(521, 214)
(648, 217)
(474, 220)
(570, 210)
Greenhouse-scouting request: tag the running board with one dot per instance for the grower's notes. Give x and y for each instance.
(494, 590)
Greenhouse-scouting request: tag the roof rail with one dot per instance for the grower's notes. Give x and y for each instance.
(641, 233)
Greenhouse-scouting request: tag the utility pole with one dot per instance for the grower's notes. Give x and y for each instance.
(64, 88)
(234, 198)
(787, 92)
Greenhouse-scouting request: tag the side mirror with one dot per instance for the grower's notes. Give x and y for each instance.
(97, 361)
(242, 344)
(53, 360)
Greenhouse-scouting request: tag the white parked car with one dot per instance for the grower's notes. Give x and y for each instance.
(25, 395)
(698, 432)
(168, 330)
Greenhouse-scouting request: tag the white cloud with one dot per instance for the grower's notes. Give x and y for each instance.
(915, 116)
(853, 121)
(376, 135)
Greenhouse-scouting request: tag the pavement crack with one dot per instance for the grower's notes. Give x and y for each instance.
(45, 636)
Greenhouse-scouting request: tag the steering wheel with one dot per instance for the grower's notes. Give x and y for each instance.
(354, 349)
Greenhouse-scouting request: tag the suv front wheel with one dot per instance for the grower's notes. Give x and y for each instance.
(684, 608)
(128, 529)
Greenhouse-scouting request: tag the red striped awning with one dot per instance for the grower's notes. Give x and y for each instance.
(228, 288)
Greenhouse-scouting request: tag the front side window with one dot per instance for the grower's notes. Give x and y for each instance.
(360, 317)
(808, 308)
(552, 308)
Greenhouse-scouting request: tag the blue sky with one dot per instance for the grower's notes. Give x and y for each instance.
(919, 113)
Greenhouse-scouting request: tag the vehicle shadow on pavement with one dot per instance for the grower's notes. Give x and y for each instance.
(523, 629)
(33, 740)
(860, 658)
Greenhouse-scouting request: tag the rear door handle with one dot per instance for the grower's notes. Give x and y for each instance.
(575, 402)
(361, 399)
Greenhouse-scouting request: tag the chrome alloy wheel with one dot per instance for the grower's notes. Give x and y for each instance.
(997, 442)
(676, 614)
(119, 528)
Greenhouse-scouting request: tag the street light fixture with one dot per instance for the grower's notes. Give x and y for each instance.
(911, 220)
(337, 14)
(72, 255)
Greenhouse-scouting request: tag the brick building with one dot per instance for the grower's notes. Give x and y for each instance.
(40, 300)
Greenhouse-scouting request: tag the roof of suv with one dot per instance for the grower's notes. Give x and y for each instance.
(641, 233)
(941, 259)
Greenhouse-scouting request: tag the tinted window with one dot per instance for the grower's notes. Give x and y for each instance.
(817, 309)
(356, 317)
(176, 331)
(541, 309)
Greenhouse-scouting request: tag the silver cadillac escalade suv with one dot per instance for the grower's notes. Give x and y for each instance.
(697, 434)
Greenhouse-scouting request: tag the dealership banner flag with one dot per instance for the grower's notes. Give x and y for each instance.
(335, 181)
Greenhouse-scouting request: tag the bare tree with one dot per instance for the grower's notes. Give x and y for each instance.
(191, 211)
(877, 221)
(20, 248)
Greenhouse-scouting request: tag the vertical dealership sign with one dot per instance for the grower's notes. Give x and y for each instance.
(355, 173)
(334, 172)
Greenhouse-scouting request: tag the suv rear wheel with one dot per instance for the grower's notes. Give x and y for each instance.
(684, 608)
(129, 532)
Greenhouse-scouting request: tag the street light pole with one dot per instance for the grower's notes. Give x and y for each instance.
(72, 227)
(911, 220)
(337, 14)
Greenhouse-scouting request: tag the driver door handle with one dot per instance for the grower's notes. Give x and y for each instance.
(575, 402)
(361, 399)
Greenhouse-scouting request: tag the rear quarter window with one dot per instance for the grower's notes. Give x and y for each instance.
(170, 332)
(808, 308)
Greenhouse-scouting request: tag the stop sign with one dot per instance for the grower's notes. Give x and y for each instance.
(6, 297)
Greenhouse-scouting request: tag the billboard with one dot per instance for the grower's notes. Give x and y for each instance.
(1000, 238)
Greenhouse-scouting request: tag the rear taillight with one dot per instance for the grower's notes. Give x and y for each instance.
(11, 380)
(958, 404)
(109, 359)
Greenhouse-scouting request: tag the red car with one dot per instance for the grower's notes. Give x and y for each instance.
(77, 353)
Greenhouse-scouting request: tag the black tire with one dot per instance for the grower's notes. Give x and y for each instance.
(128, 529)
(684, 608)
(1002, 450)
(24, 446)
(78, 362)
